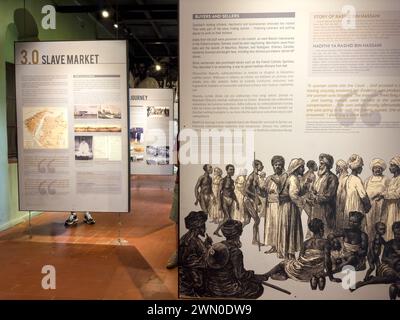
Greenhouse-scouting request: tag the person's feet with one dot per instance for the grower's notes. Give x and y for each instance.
(271, 250)
(313, 283)
(88, 219)
(72, 220)
(354, 288)
(173, 261)
(367, 278)
(279, 276)
(321, 283)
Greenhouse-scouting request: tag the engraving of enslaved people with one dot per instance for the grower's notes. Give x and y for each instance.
(392, 197)
(216, 214)
(375, 248)
(227, 197)
(338, 239)
(204, 195)
(314, 261)
(192, 253)
(226, 275)
(353, 243)
(375, 185)
(388, 272)
(342, 174)
(356, 196)
(290, 232)
(274, 186)
(252, 201)
(323, 194)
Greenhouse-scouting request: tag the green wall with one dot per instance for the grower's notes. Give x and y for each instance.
(68, 27)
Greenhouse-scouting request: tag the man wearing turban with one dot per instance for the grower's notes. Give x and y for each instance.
(392, 197)
(323, 194)
(274, 184)
(356, 196)
(376, 185)
(342, 174)
(306, 182)
(226, 276)
(192, 253)
(290, 230)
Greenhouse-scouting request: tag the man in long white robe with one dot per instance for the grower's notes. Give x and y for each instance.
(342, 174)
(274, 184)
(376, 185)
(323, 194)
(290, 230)
(392, 197)
(356, 196)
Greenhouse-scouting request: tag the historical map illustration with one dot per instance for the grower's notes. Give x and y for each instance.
(45, 128)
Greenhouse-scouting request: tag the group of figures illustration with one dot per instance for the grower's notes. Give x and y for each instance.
(350, 223)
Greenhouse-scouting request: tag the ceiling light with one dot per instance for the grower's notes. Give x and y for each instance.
(105, 14)
(158, 67)
(115, 26)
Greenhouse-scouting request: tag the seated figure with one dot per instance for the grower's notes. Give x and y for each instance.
(313, 262)
(354, 243)
(388, 271)
(226, 275)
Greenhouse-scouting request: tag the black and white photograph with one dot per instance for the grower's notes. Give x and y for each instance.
(157, 112)
(109, 112)
(83, 147)
(157, 155)
(85, 111)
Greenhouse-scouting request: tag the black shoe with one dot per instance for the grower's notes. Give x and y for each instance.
(89, 221)
(71, 221)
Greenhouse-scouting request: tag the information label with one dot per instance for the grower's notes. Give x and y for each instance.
(72, 113)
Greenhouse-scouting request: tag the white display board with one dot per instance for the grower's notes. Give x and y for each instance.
(151, 131)
(72, 113)
(309, 77)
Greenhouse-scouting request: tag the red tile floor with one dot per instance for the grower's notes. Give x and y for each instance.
(90, 263)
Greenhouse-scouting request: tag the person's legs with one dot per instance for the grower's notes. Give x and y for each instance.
(277, 273)
(173, 259)
(252, 212)
(374, 280)
(226, 209)
(394, 291)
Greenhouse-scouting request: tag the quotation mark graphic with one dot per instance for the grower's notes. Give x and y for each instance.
(347, 117)
(45, 187)
(45, 166)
